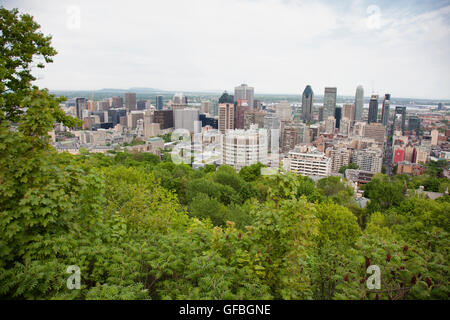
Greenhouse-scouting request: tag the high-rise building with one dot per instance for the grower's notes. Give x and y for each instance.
(440, 106)
(164, 118)
(348, 112)
(245, 147)
(241, 107)
(206, 107)
(320, 116)
(130, 101)
(307, 103)
(186, 119)
(414, 123)
(338, 116)
(329, 102)
(339, 157)
(226, 117)
(159, 102)
(283, 111)
(80, 105)
(179, 99)
(244, 92)
(359, 103)
(257, 105)
(289, 138)
(254, 117)
(330, 124)
(375, 131)
(141, 104)
(373, 109)
(116, 102)
(400, 111)
(385, 109)
(434, 137)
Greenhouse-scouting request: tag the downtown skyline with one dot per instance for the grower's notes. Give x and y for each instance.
(278, 47)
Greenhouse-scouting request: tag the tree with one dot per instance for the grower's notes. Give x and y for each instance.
(23, 47)
(350, 166)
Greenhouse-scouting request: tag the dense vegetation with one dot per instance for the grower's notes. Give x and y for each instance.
(142, 228)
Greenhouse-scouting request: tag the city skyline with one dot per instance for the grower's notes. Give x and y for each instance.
(399, 48)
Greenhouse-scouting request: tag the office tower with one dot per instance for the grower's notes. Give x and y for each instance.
(132, 118)
(226, 117)
(116, 102)
(141, 104)
(209, 121)
(186, 118)
(400, 111)
(385, 109)
(308, 161)
(244, 92)
(375, 131)
(271, 121)
(373, 109)
(254, 117)
(206, 107)
(241, 107)
(320, 117)
(370, 159)
(164, 118)
(283, 111)
(159, 102)
(307, 103)
(414, 123)
(329, 102)
(359, 103)
(80, 105)
(257, 105)
(179, 99)
(245, 147)
(330, 124)
(338, 116)
(226, 98)
(440, 106)
(348, 112)
(114, 115)
(130, 101)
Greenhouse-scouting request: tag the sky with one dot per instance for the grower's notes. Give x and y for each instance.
(400, 47)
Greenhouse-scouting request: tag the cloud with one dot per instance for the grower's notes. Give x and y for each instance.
(275, 46)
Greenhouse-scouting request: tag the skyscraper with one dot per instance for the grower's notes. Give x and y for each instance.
(241, 107)
(244, 92)
(348, 112)
(226, 117)
(338, 116)
(385, 109)
(116, 102)
(359, 103)
(130, 101)
(307, 103)
(159, 102)
(373, 109)
(329, 102)
(80, 105)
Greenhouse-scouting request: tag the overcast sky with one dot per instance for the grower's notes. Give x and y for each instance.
(277, 46)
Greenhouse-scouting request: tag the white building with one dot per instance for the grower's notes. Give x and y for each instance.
(370, 159)
(308, 161)
(245, 147)
(186, 118)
